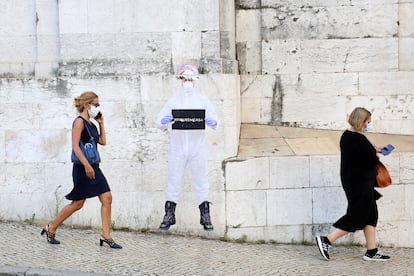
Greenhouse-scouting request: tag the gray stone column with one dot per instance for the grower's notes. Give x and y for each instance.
(228, 36)
(47, 53)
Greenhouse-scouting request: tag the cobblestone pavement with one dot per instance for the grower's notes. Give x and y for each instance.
(24, 252)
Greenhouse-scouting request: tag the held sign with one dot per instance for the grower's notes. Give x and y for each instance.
(189, 118)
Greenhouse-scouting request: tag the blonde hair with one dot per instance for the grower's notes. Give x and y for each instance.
(358, 117)
(86, 97)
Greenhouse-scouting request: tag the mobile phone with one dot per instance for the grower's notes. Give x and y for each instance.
(99, 115)
(386, 150)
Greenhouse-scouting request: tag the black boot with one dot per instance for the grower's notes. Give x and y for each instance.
(169, 217)
(205, 216)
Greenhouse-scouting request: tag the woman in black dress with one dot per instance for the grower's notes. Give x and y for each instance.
(88, 179)
(358, 177)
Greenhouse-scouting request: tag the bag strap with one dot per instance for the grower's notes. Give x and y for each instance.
(87, 128)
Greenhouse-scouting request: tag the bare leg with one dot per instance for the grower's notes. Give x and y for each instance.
(336, 234)
(66, 212)
(369, 232)
(106, 201)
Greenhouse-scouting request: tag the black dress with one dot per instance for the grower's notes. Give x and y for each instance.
(358, 177)
(85, 187)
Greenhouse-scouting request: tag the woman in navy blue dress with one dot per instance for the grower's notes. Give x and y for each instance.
(88, 179)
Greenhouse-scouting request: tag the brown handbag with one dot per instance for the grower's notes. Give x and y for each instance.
(383, 176)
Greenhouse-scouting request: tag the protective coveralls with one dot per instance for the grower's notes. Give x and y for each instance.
(187, 145)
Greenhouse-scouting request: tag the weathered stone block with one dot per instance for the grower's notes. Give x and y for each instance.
(257, 86)
(293, 21)
(111, 68)
(334, 197)
(133, 16)
(307, 108)
(211, 66)
(228, 52)
(23, 206)
(325, 3)
(257, 177)
(246, 208)
(281, 176)
(44, 146)
(406, 53)
(47, 18)
(401, 231)
(391, 161)
(220, 86)
(18, 49)
(405, 19)
(116, 46)
(392, 204)
(186, 45)
(27, 119)
(281, 56)
(248, 25)
(313, 56)
(259, 98)
(2, 153)
(249, 54)
(222, 142)
(324, 171)
(392, 108)
(253, 111)
(231, 142)
(406, 168)
(407, 192)
(386, 83)
(245, 233)
(288, 233)
(247, 4)
(349, 55)
(403, 127)
(296, 203)
(17, 20)
(73, 17)
(319, 85)
(210, 45)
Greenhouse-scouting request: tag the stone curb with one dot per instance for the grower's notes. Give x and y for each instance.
(31, 271)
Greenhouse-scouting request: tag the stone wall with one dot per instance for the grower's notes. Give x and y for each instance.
(36, 140)
(127, 51)
(309, 63)
(294, 63)
(101, 38)
(294, 198)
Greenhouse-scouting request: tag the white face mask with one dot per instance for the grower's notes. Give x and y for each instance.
(188, 86)
(93, 111)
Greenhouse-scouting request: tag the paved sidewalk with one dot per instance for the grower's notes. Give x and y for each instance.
(24, 252)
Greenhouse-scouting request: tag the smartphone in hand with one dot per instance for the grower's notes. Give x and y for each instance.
(387, 150)
(98, 116)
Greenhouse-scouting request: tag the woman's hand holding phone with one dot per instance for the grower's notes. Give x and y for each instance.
(387, 150)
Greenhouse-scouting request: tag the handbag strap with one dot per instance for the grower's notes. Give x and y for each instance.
(87, 128)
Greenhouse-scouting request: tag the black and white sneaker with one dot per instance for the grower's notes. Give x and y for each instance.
(376, 257)
(323, 246)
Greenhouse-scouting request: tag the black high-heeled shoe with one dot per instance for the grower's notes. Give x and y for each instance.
(110, 242)
(50, 237)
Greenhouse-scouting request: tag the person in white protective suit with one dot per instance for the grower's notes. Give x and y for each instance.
(187, 146)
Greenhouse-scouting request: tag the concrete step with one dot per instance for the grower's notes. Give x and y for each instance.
(265, 140)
